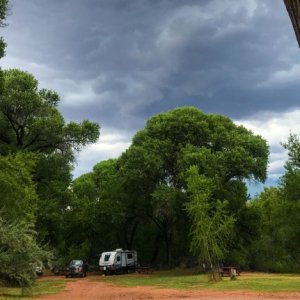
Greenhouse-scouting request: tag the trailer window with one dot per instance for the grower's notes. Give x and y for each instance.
(106, 257)
(129, 255)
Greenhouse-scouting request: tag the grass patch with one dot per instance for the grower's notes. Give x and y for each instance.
(39, 288)
(183, 279)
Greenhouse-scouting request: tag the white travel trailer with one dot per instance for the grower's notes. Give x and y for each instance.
(118, 261)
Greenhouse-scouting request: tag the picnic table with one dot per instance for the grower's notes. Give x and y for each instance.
(229, 271)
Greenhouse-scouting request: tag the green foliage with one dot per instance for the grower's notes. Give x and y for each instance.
(244, 154)
(162, 153)
(139, 200)
(267, 251)
(278, 244)
(30, 120)
(95, 213)
(18, 198)
(19, 253)
(82, 134)
(290, 180)
(166, 205)
(293, 147)
(3, 13)
(211, 224)
(289, 196)
(36, 158)
(53, 178)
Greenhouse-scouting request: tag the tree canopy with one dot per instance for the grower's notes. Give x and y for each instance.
(30, 120)
(161, 154)
(37, 150)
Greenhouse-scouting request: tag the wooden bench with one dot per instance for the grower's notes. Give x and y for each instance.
(228, 271)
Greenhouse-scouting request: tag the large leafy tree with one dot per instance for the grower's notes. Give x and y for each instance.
(53, 178)
(277, 247)
(171, 143)
(19, 250)
(96, 213)
(290, 195)
(30, 122)
(211, 224)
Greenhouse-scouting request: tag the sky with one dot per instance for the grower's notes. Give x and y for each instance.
(118, 62)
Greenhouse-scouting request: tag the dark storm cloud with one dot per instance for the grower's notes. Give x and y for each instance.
(118, 62)
(125, 60)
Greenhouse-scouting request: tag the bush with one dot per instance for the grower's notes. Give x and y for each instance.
(19, 253)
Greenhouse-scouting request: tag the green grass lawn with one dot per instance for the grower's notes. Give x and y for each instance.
(186, 279)
(40, 288)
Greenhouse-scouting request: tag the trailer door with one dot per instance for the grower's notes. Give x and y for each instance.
(124, 261)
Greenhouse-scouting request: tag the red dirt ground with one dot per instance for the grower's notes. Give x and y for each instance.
(91, 288)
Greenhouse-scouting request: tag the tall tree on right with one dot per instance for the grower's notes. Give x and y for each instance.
(276, 248)
(290, 193)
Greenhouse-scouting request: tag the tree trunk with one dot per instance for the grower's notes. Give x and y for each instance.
(214, 274)
(156, 248)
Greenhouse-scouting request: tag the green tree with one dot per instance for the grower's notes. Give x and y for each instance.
(166, 202)
(19, 253)
(290, 180)
(290, 196)
(267, 250)
(138, 169)
(162, 153)
(96, 212)
(30, 120)
(18, 198)
(211, 223)
(277, 248)
(53, 178)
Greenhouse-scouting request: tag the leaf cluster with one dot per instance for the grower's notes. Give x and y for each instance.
(19, 253)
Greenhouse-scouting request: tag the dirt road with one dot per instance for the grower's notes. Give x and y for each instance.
(91, 288)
